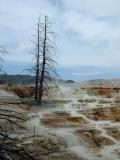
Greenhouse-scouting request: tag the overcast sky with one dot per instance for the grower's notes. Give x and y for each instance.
(88, 31)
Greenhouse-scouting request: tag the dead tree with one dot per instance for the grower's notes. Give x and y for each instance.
(44, 58)
(8, 119)
(45, 69)
(9, 150)
(2, 51)
(37, 67)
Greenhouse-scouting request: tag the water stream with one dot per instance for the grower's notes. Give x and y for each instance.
(74, 142)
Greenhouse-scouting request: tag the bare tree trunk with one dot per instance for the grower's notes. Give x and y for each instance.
(45, 72)
(37, 65)
(43, 65)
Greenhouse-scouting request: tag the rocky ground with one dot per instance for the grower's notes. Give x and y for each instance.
(84, 126)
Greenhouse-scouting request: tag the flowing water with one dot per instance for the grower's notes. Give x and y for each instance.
(74, 142)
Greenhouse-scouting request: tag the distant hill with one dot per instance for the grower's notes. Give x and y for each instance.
(16, 79)
(23, 79)
(101, 82)
(28, 79)
(69, 81)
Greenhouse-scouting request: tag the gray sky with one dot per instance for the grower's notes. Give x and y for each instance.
(88, 30)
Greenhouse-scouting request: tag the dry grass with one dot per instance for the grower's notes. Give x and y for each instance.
(22, 91)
